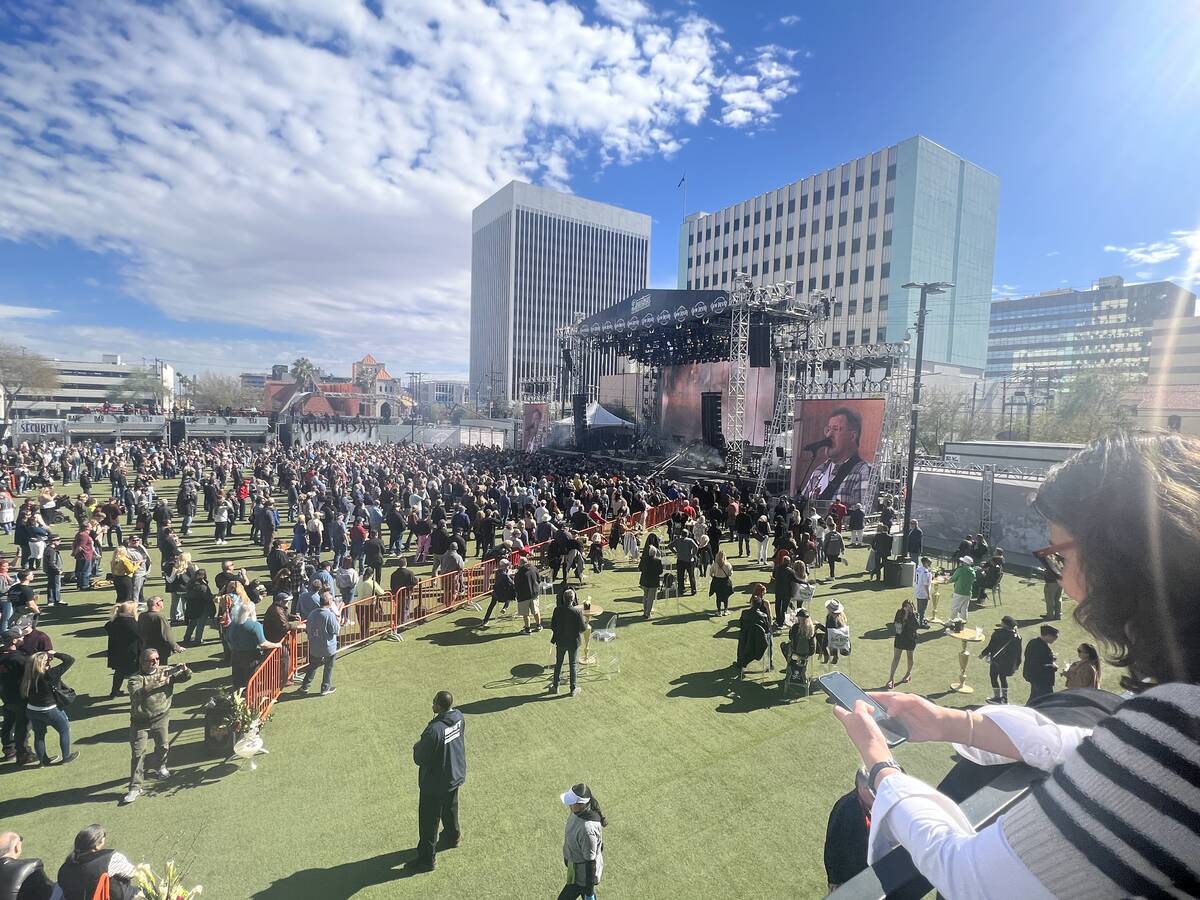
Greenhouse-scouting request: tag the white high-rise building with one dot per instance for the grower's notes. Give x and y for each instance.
(539, 258)
(910, 212)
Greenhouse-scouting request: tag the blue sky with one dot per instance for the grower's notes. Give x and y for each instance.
(227, 188)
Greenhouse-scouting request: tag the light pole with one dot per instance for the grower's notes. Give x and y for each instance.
(927, 288)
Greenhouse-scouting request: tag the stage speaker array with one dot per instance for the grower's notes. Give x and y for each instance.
(760, 343)
(710, 419)
(579, 411)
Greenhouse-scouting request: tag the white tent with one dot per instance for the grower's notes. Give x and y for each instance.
(599, 417)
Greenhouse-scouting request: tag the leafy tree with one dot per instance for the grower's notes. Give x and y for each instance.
(24, 377)
(213, 391)
(303, 372)
(1090, 406)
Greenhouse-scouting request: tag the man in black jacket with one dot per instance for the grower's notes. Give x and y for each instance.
(21, 879)
(504, 590)
(1041, 667)
(567, 626)
(441, 755)
(15, 729)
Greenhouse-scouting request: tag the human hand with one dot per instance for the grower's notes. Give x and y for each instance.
(864, 732)
(924, 720)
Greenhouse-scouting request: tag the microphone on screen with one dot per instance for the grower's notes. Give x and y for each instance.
(817, 445)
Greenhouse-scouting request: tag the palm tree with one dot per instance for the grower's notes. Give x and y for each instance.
(304, 373)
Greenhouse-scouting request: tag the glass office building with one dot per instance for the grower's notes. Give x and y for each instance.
(1060, 333)
(540, 258)
(910, 212)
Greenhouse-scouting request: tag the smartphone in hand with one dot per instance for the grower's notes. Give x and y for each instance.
(846, 693)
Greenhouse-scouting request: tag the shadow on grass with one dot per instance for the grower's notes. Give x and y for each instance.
(744, 695)
(341, 881)
(105, 791)
(500, 704)
(465, 635)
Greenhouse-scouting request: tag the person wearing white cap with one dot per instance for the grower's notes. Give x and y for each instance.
(583, 843)
(964, 583)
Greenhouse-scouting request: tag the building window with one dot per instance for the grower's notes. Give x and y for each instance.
(708, 234)
(828, 223)
(746, 220)
(754, 269)
(756, 243)
(870, 242)
(812, 256)
(881, 335)
(792, 205)
(724, 277)
(837, 309)
(849, 338)
(804, 202)
(828, 253)
(841, 248)
(707, 256)
(737, 224)
(745, 246)
(725, 253)
(854, 277)
(868, 302)
(791, 233)
(803, 229)
(726, 229)
(768, 214)
(778, 264)
(885, 270)
(845, 188)
(757, 217)
(889, 205)
(767, 239)
(875, 178)
(691, 238)
(1175, 423)
(824, 282)
(706, 281)
(852, 307)
(858, 183)
(837, 339)
(840, 280)
(883, 303)
(891, 176)
(788, 260)
(870, 273)
(689, 262)
(735, 249)
(841, 218)
(887, 238)
(866, 335)
(812, 283)
(858, 214)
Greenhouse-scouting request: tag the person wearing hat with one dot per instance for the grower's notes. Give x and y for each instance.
(963, 580)
(150, 693)
(583, 843)
(276, 625)
(504, 590)
(837, 633)
(761, 532)
(441, 756)
(1003, 655)
(800, 647)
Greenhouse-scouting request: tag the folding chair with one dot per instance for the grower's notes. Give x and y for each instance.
(606, 633)
(997, 596)
(791, 674)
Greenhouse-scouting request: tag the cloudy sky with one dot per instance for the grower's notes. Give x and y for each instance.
(226, 186)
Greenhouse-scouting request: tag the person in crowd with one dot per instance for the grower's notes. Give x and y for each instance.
(743, 527)
(124, 645)
(904, 626)
(881, 549)
(1087, 829)
(222, 516)
(1052, 592)
(373, 553)
(761, 532)
(833, 548)
(583, 843)
(52, 566)
(121, 569)
(322, 627)
(784, 580)
(504, 590)
(22, 600)
(567, 626)
(403, 579)
(1085, 671)
(1041, 664)
(800, 647)
(857, 521)
(528, 590)
(650, 569)
(246, 641)
(346, 579)
(83, 550)
(980, 551)
(277, 558)
(14, 730)
(845, 837)
(41, 687)
(1003, 656)
(916, 541)
(277, 623)
(441, 758)
(155, 630)
(21, 877)
(837, 633)
(922, 583)
(720, 584)
(963, 581)
(91, 863)
(596, 552)
(199, 607)
(150, 692)
(176, 580)
(754, 630)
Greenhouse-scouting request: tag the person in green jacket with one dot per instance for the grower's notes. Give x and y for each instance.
(150, 692)
(963, 580)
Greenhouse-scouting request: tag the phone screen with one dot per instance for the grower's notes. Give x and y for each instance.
(846, 693)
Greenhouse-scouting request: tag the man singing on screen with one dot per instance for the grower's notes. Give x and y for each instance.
(844, 475)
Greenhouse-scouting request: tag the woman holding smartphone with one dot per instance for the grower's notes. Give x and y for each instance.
(1116, 815)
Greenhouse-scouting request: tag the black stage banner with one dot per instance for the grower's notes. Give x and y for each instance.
(654, 308)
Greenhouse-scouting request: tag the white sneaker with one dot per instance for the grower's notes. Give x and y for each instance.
(576, 692)
(164, 772)
(133, 794)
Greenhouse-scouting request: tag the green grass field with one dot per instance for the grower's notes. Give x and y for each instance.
(714, 787)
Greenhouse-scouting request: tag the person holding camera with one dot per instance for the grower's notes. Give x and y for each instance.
(150, 693)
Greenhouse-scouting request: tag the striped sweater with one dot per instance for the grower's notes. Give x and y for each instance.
(1121, 816)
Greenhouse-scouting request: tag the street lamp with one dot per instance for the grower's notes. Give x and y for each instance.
(927, 288)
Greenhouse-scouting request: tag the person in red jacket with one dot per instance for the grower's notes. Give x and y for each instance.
(84, 551)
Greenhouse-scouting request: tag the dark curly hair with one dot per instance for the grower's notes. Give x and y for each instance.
(1132, 505)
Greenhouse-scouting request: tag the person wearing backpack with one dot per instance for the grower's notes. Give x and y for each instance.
(93, 871)
(1003, 655)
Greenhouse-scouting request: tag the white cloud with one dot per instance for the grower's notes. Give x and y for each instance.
(25, 312)
(314, 173)
(1144, 274)
(1149, 254)
(1054, 253)
(789, 21)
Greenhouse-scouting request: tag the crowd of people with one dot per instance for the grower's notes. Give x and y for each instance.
(329, 520)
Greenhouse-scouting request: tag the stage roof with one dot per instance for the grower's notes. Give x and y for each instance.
(654, 308)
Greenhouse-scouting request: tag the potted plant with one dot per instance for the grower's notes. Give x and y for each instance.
(167, 887)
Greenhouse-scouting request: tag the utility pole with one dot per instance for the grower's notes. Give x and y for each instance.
(414, 387)
(927, 288)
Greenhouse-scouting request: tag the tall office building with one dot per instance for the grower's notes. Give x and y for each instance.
(911, 212)
(1060, 333)
(539, 258)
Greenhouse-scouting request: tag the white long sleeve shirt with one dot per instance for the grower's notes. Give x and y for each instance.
(956, 859)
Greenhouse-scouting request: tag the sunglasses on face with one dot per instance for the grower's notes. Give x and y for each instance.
(1052, 559)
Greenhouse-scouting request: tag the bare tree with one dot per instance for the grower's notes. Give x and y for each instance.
(213, 391)
(24, 377)
(141, 385)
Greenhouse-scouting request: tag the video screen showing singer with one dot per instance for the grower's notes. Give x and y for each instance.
(843, 475)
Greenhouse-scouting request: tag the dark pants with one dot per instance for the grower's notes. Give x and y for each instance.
(435, 806)
(491, 606)
(559, 652)
(326, 673)
(573, 891)
(244, 665)
(124, 587)
(267, 538)
(743, 544)
(83, 573)
(14, 730)
(688, 568)
(1040, 689)
(220, 530)
(56, 719)
(832, 562)
(53, 588)
(999, 682)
